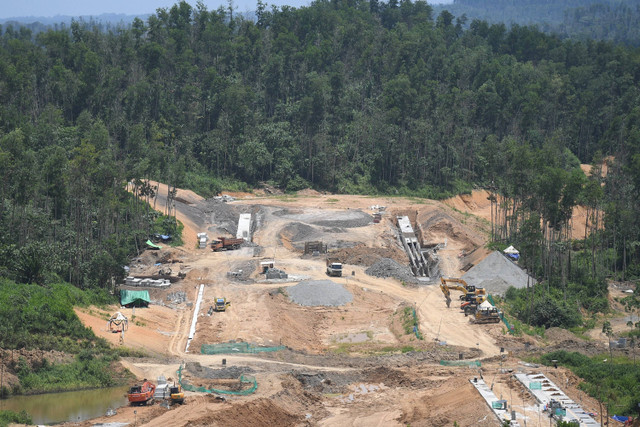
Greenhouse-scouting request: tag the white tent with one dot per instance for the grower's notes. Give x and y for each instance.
(485, 305)
(511, 251)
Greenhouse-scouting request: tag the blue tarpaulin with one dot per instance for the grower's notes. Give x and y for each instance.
(620, 418)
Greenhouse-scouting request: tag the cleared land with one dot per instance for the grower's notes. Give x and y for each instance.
(352, 361)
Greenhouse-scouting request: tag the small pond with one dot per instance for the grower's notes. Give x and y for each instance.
(53, 408)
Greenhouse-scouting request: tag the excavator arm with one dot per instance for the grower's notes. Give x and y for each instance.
(447, 294)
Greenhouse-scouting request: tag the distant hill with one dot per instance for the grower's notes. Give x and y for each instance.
(111, 18)
(104, 22)
(612, 20)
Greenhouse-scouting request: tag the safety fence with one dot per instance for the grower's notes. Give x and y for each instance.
(244, 379)
(461, 363)
(237, 347)
(509, 326)
(415, 326)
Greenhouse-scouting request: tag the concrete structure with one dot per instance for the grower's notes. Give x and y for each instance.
(544, 390)
(499, 407)
(244, 227)
(419, 264)
(148, 283)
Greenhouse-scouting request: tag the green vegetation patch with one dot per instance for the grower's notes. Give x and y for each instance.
(10, 417)
(615, 382)
(43, 317)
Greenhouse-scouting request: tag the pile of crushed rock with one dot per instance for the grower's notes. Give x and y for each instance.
(319, 293)
(386, 267)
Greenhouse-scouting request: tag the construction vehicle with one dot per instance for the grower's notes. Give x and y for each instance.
(469, 292)
(471, 304)
(221, 304)
(487, 314)
(225, 244)
(177, 395)
(141, 394)
(334, 268)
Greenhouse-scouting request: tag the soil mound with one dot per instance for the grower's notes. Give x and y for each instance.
(260, 412)
(363, 255)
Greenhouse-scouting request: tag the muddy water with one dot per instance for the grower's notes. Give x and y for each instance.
(55, 408)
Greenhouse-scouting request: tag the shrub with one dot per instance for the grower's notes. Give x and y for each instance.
(10, 417)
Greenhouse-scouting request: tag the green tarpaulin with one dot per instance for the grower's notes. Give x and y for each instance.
(153, 245)
(134, 298)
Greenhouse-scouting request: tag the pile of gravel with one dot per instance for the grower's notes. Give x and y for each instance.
(358, 219)
(299, 232)
(177, 297)
(497, 266)
(319, 292)
(386, 267)
(495, 286)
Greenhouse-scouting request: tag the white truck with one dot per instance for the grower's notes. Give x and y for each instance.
(334, 268)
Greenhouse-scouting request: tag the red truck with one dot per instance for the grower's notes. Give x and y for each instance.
(225, 243)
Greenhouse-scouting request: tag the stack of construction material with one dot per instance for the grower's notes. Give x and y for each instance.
(274, 273)
(135, 281)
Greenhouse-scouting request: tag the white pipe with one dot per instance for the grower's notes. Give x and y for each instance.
(192, 331)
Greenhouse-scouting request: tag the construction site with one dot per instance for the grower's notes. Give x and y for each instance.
(334, 310)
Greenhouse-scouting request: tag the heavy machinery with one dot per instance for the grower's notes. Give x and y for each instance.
(334, 268)
(141, 394)
(225, 244)
(221, 304)
(469, 292)
(471, 304)
(486, 314)
(177, 395)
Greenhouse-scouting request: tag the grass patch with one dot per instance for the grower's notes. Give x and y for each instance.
(10, 417)
(407, 320)
(614, 382)
(332, 200)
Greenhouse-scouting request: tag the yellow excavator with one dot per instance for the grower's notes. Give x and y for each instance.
(469, 292)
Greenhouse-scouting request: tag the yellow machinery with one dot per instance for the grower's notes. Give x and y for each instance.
(487, 315)
(177, 395)
(469, 292)
(221, 304)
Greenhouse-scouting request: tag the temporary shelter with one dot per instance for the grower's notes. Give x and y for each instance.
(512, 252)
(134, 298)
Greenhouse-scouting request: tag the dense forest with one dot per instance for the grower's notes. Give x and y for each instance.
(610, 20)
(345, 96)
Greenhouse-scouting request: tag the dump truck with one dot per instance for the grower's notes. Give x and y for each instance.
(334, 268)
(221, 304)
(225, 244)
